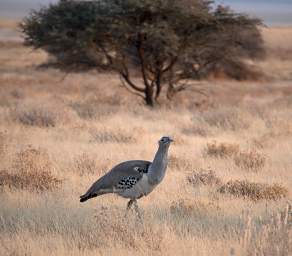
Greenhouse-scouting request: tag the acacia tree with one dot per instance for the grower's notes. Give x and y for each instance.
(165, 42)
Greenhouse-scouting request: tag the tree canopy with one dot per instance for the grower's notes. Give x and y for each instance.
(154, 45)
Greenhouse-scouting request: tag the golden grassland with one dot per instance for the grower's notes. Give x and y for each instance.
(228, 184)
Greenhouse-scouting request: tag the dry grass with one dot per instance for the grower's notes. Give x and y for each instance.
(254, 191)
(222, 149)
(84, 164)
(90, 109)
(194, 208)
(32, 181)
(8, 23)
(31, 170)
(59, 133)
(36, 116)
(272, 238)
(2, 144)
(231, 119)
(252, 160)
(204, 177)
(117, 136)
(178, 163)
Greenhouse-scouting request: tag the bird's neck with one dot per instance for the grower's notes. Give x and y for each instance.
(158, 167)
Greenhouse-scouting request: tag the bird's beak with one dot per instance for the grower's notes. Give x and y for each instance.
(171, 140)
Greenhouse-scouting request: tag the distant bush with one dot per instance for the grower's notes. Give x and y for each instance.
(91, 108)
(251, 160)
(204, 177)
(222, 149)
(254, 191)
(113, 137)
(31, 170)
(85, 110)
(36, 116)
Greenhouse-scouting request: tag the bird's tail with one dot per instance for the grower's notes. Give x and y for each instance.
(86, 196)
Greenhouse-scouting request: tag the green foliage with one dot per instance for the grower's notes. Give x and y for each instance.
(167, 41)
(63, 30)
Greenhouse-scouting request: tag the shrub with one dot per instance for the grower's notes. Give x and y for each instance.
(36, 116)
(32, 181)
(204, 177)
(31, 170)
(93, 109)
(113, 137)
(215, 149)
(251, 160)
(254, 191)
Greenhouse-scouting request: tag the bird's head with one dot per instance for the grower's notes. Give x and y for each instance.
(165, 141)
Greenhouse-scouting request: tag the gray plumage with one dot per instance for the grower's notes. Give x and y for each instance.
(133, 179)
(109, 183)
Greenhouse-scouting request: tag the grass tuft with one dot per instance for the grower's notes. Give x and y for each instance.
(113, 137)
(252, 160)
(34, 116)
(221, 150)
(32, 181)
(254, 191)
(93, 109)
(31, 171)
(204, 177)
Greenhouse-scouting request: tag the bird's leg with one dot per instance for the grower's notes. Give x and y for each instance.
(129, 205)
(137, 209)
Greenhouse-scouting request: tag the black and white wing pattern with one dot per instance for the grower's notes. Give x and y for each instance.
(127, 183)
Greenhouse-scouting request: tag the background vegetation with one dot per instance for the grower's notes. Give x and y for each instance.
(154, 46)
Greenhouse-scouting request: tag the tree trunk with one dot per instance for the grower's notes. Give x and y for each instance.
(149, 99)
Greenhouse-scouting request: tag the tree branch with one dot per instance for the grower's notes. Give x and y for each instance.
(126, 75)
(172, 62)
(141, 58)
(131, 91)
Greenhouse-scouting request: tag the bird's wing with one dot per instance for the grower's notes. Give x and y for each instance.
(122, 176)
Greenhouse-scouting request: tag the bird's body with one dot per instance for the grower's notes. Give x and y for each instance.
(132, 179)
(141, 188)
